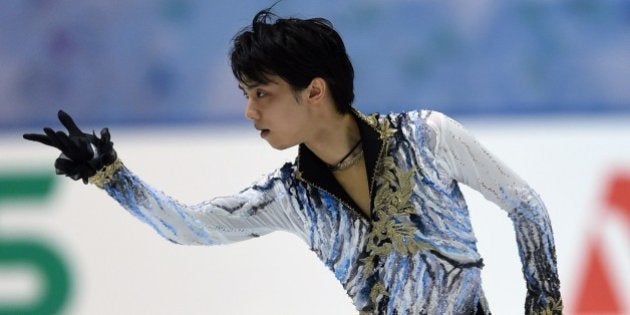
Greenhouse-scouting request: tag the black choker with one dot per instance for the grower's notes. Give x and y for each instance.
(345, 161)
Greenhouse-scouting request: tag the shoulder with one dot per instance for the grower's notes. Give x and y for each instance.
(281, 177)
(422, 119)
(436, 121)
(421, 122)
(413, 116)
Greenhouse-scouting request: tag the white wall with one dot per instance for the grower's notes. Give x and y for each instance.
(120, 266)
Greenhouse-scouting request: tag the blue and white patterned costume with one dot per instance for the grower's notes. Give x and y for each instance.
(417, 252)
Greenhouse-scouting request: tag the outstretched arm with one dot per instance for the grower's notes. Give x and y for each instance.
(471, 164)
(257, 210)
(260, 209)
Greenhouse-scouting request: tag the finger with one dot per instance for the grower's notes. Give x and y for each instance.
(67, 121)
(105, 137)
(84, 148)
(38, 138)
(109, 157)
(71, 169)
(69, 148)
(86, 173)
(65, 166)
(52, 136)
(76, 148)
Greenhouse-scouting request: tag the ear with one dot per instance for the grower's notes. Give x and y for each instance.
(317, 90)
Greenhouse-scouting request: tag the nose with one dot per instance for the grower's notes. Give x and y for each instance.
(250, 111)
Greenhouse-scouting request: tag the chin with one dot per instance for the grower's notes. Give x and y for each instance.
(280, 146)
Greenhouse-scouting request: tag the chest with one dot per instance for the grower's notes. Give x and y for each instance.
(355, 183)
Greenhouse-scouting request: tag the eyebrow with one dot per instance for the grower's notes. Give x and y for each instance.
(255, 85)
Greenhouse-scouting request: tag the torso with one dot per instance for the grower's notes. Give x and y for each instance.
(354, 181)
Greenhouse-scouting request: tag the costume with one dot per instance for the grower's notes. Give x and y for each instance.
(416, 254)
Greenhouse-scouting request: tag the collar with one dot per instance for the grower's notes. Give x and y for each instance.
(314, 171)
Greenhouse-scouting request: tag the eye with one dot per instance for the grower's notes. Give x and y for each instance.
(260, 94)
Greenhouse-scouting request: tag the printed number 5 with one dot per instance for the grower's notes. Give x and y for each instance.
(33, 253)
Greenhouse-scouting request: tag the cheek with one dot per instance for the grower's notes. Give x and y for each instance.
(298, 121)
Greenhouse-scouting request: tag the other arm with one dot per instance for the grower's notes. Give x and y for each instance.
(471, 164)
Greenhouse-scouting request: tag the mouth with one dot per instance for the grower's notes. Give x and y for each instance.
(263, 132)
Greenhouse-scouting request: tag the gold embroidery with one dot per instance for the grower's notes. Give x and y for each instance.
(554, 306)
(378, 290)
(392, 231)
(104, 176)
(371, 119)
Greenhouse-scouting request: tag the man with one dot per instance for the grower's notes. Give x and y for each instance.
(376, 197)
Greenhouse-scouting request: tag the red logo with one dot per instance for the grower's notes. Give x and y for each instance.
(598, 292)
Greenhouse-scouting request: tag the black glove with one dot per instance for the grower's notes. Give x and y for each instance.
(82, 154)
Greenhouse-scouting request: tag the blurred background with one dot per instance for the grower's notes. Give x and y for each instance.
(544, 85)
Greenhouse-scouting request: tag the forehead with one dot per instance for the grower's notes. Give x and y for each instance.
(251, 84)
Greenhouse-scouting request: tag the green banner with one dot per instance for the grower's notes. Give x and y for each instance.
(34, 253)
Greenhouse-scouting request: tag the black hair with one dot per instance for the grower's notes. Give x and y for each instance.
(297, 50)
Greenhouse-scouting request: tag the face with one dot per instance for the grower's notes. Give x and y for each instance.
(279, 113)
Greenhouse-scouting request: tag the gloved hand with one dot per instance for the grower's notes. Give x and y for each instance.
(82, 154)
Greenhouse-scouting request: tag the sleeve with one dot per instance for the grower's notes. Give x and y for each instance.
(259, 209)
(470, 163)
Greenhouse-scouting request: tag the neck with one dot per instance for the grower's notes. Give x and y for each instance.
(336, 136)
